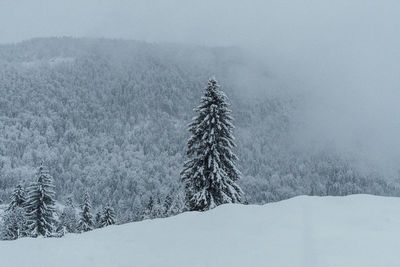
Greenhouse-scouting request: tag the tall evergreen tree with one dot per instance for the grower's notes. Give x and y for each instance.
(17, 198)
(40, 204)
(210, 174)
(86, 218)
(108, 217)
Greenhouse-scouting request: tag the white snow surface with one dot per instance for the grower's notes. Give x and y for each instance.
(357, 230)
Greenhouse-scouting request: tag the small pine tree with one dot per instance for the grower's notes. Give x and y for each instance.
(210, 174)
(150, 204)
(17, 198)
(86, 218)
(158, 209)
(40, 205)
(98, 220)
(178, 203)
(108, 216)
(167, 205)
(61, 229)
(148, 211)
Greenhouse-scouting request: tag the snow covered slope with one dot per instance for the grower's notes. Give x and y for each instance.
(358, 230)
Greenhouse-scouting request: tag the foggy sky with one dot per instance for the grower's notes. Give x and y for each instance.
(343, 56)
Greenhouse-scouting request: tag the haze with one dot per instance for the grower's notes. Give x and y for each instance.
(341, 56)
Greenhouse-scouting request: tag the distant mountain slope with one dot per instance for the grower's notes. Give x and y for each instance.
(358, 230)
(110, 116)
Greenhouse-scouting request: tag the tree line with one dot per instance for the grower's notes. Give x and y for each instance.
(208, 177)
(32, 212)
(109, 116)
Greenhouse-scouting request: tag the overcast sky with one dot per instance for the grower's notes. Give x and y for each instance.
(344, 55)
(211, 22)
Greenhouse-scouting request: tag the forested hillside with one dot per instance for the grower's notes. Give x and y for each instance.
(110, 117)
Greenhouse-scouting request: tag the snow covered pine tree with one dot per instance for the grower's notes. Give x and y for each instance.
(40, 205)
(86, 218)
(17, 198)
(210, 174)
(108, 217)
(14, 219)
(98, 220)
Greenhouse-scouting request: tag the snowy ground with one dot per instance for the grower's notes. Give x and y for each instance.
(358, 230)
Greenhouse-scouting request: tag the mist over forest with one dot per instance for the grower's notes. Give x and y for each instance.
(110, 116)
(199, 133)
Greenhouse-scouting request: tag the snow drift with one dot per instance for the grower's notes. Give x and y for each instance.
(357, 230)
